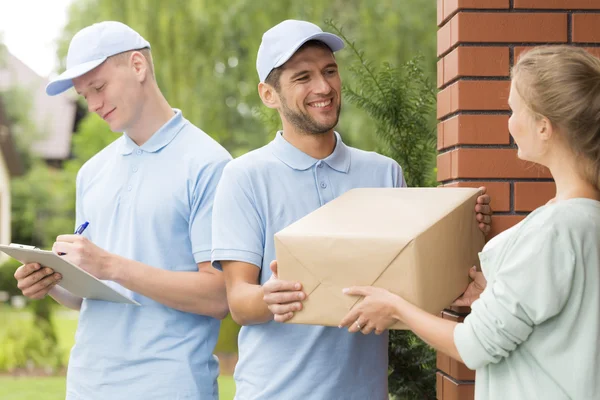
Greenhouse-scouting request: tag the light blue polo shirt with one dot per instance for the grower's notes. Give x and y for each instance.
(259, 194)
(153, 204)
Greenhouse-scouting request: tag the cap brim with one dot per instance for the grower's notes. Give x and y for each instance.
(65, 80)
(331, 40)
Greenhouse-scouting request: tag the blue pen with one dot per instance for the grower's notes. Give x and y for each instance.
(78, 231)
(81, 228)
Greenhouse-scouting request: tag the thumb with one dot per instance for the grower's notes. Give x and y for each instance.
(482, 190)
(274, 268)
(473, 272)
(356, 291)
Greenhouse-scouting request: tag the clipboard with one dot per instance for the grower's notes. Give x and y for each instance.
(74, 279)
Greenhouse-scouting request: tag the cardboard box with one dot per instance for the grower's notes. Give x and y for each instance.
(416, 242)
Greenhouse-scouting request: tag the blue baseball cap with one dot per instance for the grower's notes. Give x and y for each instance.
(91, 46)
(282, 41)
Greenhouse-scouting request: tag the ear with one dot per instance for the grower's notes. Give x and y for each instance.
(268, 95)
(140, 65)
(544, 128)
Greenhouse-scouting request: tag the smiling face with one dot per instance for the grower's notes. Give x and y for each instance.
(309, 90)
(114, 91)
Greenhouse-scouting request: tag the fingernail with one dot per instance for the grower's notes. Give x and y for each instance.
(297, 286)
(345, 290)
(57, 277)
(300, 296)
(48, 271)
(36, 267)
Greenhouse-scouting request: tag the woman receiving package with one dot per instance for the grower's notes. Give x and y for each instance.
(534, 329)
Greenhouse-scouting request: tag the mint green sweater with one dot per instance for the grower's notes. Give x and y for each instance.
(535, 331)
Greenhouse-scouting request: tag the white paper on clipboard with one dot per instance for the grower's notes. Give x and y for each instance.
(74, 279)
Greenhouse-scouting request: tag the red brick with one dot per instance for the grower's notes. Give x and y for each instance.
(454, 368)
(486, 163)
(499, 193)
(531, 195)
(586, 28)
(473, 129)
(444, 166)
(450, 390)
(440, 136)
(558, 4)
(474, 96)
(501, 223)
(439, 385)
(440, 73)
(450, 7)
(474, 61)
(502, 28)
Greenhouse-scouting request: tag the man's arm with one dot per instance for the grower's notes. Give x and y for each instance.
(251, 303)
(199, 292)
(244, 294)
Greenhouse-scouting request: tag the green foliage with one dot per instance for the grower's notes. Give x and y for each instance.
(24, 343)
(228, 334)
(8, 283)
(205, 53)
(400, 103)
(43, 201)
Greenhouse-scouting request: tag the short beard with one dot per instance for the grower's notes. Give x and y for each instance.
(304, 122)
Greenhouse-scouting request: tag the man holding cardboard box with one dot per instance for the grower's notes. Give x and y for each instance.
(306, 166)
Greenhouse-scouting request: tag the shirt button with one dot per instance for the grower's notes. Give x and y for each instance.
(323, 185)
(138, 152)
(320, 165)
(135, 169)
(129, 188)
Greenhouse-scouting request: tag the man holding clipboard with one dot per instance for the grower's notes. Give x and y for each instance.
(148, 198)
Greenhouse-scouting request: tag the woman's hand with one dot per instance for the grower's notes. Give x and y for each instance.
(377, 311)
(474, 290)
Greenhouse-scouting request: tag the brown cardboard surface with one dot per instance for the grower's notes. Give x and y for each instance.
(416, 242)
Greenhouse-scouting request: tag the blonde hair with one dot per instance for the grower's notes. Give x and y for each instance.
(562, 84)
(123, 58)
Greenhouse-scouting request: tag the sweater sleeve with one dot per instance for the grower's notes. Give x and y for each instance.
(532, 285)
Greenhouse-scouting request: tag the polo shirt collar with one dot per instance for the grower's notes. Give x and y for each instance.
(159, 139)
(294, 158)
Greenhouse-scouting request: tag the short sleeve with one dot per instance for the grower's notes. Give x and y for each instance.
(203, 195)
(532, 285)
(238, 229)
(398, 176)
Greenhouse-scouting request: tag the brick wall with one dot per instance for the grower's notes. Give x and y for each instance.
(478, 42)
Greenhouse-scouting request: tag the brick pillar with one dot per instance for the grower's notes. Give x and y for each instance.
(478, 42)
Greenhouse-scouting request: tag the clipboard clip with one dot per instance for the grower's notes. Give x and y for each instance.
(23, 246)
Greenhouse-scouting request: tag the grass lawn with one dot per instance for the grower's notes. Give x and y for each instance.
(53, 388)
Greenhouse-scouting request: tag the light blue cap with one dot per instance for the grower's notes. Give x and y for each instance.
(283, 40)
(91, 46)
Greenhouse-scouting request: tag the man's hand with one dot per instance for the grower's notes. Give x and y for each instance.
(474, 290)
(80, 251)
(34, 281)
(484, 211)
(282, 297)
